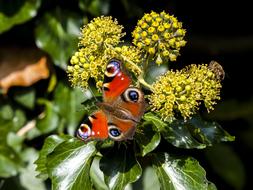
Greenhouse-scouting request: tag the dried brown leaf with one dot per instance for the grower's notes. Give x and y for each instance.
(22, 71)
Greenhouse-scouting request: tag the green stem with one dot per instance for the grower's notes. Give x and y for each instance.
(145, 84)
(126, 59)
(141, 77)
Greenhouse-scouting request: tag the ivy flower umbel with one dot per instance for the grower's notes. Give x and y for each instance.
(133, 54)
(160, 35)
(98, 37)
(101, 31)
(183, 91)
(86, 64)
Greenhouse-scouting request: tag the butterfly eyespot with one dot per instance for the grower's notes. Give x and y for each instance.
(114, 132)
(84, 132)
(113, 68)
(132, 95)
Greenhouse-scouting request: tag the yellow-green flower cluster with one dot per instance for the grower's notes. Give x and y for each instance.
(86, 64)
(183, 91)
(160, 35)
(90, 60)
(101, 31)
(132, 58)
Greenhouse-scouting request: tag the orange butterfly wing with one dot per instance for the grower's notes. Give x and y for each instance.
(121, 109)
(95, 127)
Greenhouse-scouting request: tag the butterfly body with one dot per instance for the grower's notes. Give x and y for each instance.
(120, 111)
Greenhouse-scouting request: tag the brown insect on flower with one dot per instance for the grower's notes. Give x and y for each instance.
(217, 69)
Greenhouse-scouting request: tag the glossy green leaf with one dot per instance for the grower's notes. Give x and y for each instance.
(97, 176)
(193, 133)
(68, 102)
(120, 168)
(156, 121)
(14, 141)
(179, 173)
(6, 112)
(69, 165)
(95, 7)
(49, 145)
(49, 119)
(178, 134)
(148, 180)
(228, 167)
(52, 83)
(148, 139)
(208, 132)
(211, 186)
(16, 12)
(155, 71)
(27, 98)
(10, 163)
(15, 118)
(175, 134)
(28, 174)
(57, 34)
(18, 120)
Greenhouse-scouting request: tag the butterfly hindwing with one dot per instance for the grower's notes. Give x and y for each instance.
(95, 127)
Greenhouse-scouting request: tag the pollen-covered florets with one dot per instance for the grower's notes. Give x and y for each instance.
(98, 37)
(133, 54)
(101, 31)
(160, 35)
(182, 91)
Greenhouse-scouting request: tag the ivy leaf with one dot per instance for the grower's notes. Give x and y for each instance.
(49, 145)
(15, 118)
(27, 175)
(155, 71)
(68, 102)
(10, 163)
(148, 139)
(69, 165)
(14, 141)
(95, 7)
(193, 133)
(234, 176)
(179, 173)
(156, 121)
(49, 119)
(6, 112)
(208, 132)
(120, 168)
(26, 98)
(16, 12)
(97, 175)
(57, 34)
(148, 180)
(177, 135)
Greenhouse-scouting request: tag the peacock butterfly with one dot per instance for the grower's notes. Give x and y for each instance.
(120, 111)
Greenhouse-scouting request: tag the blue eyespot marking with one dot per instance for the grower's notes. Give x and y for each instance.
(84, 132)
(114, 132)
(133, 95)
